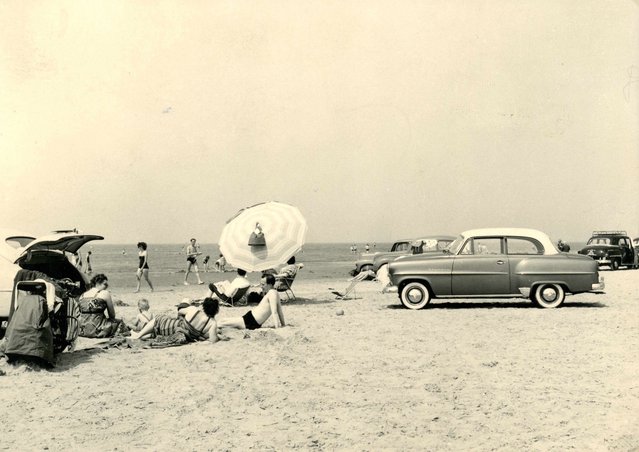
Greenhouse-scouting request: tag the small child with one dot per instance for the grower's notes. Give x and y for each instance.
(206, 263)
(144, 316)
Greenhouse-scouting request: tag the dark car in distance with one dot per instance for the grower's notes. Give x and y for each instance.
(614, 249)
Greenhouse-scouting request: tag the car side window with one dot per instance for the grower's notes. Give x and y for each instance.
(522, 246)
(483, 246)
(488, 246)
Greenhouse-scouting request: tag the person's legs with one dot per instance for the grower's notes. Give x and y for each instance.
(197, 274)
(186, 275)
(137, 289)
(233, 322)
(145, 272)
(147, 329)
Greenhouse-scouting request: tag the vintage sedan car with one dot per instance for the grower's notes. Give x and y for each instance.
(429, 244)
(49, 254)
(495, 263)
(612, 248)
(365, 261)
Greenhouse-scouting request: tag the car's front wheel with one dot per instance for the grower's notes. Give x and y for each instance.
(415, 295)
(549, 295)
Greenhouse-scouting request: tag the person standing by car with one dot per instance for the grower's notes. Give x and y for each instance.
(192, 252)
(143, 266)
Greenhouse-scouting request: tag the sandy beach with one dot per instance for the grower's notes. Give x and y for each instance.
(460, 375)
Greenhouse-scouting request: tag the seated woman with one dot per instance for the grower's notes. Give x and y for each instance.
(192, 323)
(93, 322)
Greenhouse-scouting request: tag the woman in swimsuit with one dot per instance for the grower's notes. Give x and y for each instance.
(143, 266)
(195, 324)
(92, 321)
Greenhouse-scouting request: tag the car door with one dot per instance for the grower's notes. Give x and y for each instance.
(481, 268)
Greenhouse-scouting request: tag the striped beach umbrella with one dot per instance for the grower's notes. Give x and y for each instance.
(263, 236)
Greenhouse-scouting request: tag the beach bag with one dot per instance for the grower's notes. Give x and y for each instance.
(29, 332)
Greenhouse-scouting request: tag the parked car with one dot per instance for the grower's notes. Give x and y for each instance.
(495, 263)
(429, 244)
(365, 261)
(612, 248)
(49, 254)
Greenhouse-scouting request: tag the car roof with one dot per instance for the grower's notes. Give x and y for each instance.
(69, 242)
(8, 250)
(520, 232)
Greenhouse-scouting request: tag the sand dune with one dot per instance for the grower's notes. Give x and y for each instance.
(479, 375)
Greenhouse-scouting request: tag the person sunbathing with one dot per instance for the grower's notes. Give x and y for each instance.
(269, 306)
(195, 323)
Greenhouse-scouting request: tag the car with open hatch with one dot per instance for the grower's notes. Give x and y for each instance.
(51, 254)
(614, 249)
(495, 263)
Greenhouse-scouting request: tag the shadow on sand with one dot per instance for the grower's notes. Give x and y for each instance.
(437, 304)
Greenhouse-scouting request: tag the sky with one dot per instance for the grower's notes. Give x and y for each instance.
(158, 121)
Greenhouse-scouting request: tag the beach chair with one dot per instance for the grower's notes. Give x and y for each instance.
(283, 284)
(238, 298)
(354, 282)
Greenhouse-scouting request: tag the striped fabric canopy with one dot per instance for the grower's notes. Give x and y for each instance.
(284, 230)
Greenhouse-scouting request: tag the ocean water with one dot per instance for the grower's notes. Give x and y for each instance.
(167, 262)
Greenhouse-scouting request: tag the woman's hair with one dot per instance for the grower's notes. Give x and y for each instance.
(143, 304)
(142, 245)
(211, 306)
(241, 272)
(270, 279)
(98, 279)
(291, 261)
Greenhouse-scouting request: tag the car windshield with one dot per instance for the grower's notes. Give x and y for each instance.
(453, 248)
(599, 241)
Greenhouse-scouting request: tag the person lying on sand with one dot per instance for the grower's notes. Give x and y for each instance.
(196, 324)
(269, 306)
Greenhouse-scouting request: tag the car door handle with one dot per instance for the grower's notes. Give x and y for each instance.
(500, 262)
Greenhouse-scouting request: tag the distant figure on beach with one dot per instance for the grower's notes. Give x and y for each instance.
(269, 306)
(192, 323)
(206, 263)
(143, 266)
(92, 321)
(224, 290)
(89, 268)
(220, 264)
(76, 260)
(563, 246)
(367, 248)
(192, 252)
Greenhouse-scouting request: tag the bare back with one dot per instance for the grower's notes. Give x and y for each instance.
(269, 305)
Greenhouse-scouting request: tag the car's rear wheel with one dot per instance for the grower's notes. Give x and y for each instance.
(415, 295)
(614, 264)
(549, 295)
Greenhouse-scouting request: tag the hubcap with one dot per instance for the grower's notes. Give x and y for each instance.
(415, 296)
(549, 294)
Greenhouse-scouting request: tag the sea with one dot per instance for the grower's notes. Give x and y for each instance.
(167, 263)
(322, 261)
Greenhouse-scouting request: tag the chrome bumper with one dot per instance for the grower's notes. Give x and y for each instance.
(600, 286)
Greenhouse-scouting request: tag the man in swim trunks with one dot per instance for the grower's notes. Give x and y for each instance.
(270, 306)
(192, 252)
